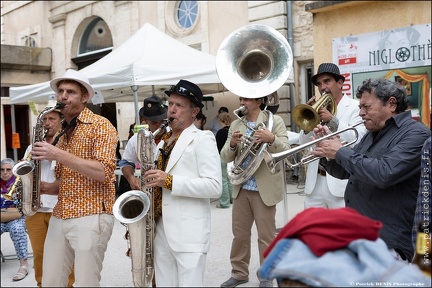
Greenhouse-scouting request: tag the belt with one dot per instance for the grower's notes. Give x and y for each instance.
(321, 172)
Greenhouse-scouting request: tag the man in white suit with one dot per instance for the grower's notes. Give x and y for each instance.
(188, 174)
(322, 189)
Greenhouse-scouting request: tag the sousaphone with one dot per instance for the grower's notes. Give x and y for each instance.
(253, 62)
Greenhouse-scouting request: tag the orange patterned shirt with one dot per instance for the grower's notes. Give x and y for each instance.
(94, 138)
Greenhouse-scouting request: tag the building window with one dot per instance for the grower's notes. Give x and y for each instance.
(30, 42)
(187, 13)
(96, 36)
(182, 17)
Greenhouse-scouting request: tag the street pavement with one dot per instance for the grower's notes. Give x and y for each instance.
(116, 266)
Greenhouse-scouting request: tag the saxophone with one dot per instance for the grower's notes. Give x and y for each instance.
(135, 210)
(28, 172)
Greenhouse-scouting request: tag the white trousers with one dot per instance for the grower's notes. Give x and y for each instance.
(79, 241)
(322, 197)
(176, 269)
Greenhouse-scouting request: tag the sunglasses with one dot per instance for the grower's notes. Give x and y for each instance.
(182, 91)
(6, 169)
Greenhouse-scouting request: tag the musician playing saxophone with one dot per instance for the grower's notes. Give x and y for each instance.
(188, 174)
(152, 113)
(82, 221)
(37, 224)
(255, 199)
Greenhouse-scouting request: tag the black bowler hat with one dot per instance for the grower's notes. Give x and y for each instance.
(153, 109)
(188, 90)
(328, 68)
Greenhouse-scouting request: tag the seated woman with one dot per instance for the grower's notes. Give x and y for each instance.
(16, 227)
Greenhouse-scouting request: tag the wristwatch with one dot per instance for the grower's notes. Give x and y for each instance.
(333, 124)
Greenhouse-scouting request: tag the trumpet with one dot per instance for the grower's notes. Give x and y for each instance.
(13, 189)
(272, 159)
(306, 116)
(16, 186)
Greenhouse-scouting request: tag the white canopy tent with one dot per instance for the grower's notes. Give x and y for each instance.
(148, 61)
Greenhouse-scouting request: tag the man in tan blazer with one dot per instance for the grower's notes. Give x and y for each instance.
(255, 199)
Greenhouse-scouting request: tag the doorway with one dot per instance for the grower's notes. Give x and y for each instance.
(21, 127)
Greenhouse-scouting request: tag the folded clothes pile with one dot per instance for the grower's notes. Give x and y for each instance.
(335, 247)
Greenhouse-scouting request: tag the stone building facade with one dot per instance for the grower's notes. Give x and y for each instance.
(42, 39)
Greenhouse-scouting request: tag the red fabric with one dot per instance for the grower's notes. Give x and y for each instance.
(324, 230)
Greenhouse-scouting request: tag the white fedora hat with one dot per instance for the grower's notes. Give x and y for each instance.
(74, 75)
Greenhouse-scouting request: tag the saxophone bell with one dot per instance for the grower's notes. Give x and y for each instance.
(130, 209)
(28, 202)
(135, 210)
(29, 171)
(131, 206)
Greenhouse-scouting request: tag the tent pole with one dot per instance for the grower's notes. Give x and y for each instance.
(135, 94)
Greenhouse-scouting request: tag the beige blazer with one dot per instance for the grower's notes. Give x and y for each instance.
(270, 186)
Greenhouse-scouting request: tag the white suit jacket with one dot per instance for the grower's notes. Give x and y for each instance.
(348, 115)
(195, 165)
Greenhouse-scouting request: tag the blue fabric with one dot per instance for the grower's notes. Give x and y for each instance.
(123, 163)
(18, 234)
(6, 203)
(362, 263)
(249, 184)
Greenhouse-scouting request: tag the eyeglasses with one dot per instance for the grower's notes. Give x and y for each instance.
(182, 91)
(6, 169)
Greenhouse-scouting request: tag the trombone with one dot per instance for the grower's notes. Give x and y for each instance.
(272, 159)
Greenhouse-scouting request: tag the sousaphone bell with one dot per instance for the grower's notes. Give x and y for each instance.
(254, 61)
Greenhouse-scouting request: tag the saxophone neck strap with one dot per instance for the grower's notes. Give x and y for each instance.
(68, 126)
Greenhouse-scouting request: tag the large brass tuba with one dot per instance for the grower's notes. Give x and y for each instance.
(29, 171)
(306, 116)
(135, 210)
(253, 62)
